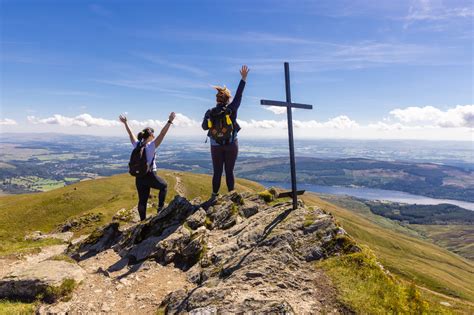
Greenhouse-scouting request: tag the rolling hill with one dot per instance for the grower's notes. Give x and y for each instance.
(45, 212)
(425, 179)
(401, 250)
(443, 274)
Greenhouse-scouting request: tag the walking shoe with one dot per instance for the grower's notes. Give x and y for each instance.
(163, 212)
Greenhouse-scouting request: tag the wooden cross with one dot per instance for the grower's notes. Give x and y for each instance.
(289, 105)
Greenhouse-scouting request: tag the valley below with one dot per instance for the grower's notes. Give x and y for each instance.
(414, 218)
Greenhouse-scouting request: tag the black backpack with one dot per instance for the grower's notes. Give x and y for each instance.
(138, 165)
(220, 125)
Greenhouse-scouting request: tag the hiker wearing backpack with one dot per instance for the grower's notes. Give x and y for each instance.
(142, 164)
(222, 126)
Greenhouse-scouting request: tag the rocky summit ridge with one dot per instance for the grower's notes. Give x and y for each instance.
(239, 253)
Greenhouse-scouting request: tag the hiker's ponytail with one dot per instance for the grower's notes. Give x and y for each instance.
(144, 134)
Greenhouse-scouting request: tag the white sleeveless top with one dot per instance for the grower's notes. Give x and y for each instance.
(150, 153)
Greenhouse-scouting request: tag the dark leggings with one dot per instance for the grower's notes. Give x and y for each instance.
(144, 184)
(224, 155)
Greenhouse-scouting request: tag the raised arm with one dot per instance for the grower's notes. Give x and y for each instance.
(235, 104)
(163, 132)
(124, 120)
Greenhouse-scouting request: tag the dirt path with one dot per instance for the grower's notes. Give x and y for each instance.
(179, 186)
(447, 297)
(125, 291)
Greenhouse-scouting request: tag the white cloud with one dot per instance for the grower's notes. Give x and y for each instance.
(7, 122)
(86, 120)
(457, 117)
(386, 126)
(184, 121)
(277, 110)
(426, 123)
(339, 122)
(83, 120)
(427, 12)
(262, 124)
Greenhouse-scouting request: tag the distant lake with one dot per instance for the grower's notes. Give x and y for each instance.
(373, 194)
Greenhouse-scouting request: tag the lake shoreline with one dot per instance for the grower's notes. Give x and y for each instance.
(373, 194)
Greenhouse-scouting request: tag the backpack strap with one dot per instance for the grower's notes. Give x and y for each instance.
(153, 159)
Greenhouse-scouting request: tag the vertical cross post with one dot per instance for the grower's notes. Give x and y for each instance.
(290, 135)
(289, 106)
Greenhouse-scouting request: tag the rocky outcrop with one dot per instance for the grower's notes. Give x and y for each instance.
(98, 241)
(47, 280)
(38, 235)
(78, 223)
(261, 264)
(242, 254)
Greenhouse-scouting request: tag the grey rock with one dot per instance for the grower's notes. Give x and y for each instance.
(144, 249)
(260, 265)
(38, 235)
(249, 209)
(37, 279)
(99, 240)
(197, 219)
(75, 224)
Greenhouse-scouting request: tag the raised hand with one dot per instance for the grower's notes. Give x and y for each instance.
(172, 116)
(123, 119)
(244, 71)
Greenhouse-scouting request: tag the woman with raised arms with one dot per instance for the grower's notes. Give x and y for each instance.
(142, 164)
(221, 124)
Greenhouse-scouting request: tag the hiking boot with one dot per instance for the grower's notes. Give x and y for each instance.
(163, 212)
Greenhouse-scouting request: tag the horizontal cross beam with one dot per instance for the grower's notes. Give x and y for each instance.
(290, 193)
(285, 104)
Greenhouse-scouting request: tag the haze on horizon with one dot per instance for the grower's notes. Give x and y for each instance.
(385, 70)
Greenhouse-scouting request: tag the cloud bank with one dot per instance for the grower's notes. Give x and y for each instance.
(457, 117)
(411, 122)
(7, 122)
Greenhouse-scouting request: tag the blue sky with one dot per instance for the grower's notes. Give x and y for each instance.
(383, 69)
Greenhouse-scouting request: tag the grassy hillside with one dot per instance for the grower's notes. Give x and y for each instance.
(400, 251)
(22, 214)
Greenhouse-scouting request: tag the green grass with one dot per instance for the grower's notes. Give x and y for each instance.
(15, 308)
(34, 183)
(401, 251)
(365, 288)
(23, 214)
(200, 185)
(266, 196)
(19, 246)
(56, 157)
(62, 292)
(62, 257)
(456, 238)
(71, 179)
